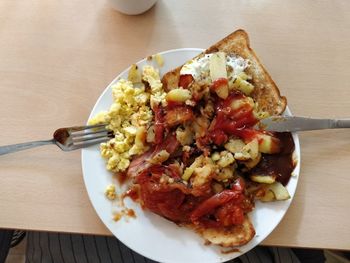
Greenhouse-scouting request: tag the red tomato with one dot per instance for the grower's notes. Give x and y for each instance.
(161, 200)
(239, 185)
(213, 202)
(218, 83)
(218, 137)
(170, 200)
(230, 214)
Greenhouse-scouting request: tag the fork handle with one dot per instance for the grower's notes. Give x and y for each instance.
(23, 146)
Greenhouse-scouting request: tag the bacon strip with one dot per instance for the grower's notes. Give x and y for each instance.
(140, 163)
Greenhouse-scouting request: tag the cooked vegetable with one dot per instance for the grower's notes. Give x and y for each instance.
(252, 163)
(268, 197)
(234, 145)
(220, 86)
(226, 158)
(178, 115)
(189, 170)
(178, 95)
(263, 179)
(217, 66)
(243, 85)
(268, 144)
(224, 174)
(280, 192)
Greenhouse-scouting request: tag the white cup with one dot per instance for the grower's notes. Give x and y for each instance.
(132, 7)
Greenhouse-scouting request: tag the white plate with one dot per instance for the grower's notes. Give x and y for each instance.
(151, 235)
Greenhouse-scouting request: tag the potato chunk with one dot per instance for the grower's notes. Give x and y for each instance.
(263, 179)
(202, 175)
(275, 191)
(254, 162)
(178, 95)
(178, 115)
(268, 144)
(280, 192)
(243, 85)
(184, 136)
(226, 158)
(217, 66)
(234, 145)
(268, 197)
(225, 174)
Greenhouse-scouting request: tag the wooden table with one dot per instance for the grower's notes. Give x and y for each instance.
(56, 57)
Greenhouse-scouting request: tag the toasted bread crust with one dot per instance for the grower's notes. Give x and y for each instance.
(233, 236)
(266, 93)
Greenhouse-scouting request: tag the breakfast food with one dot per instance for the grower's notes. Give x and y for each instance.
(190, 145)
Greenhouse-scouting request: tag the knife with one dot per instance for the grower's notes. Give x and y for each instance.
(292, 124)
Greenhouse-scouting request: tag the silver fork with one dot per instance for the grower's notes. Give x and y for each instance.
(67, 139)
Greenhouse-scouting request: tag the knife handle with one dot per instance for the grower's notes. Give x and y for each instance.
(341, 123)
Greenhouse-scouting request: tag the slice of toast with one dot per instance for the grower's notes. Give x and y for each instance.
(265, 92)
(268, 97)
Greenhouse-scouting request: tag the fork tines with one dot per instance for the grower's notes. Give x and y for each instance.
(88, 135)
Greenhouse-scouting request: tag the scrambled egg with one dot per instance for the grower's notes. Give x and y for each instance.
(152, 77)
(129, 117)
(110, 192)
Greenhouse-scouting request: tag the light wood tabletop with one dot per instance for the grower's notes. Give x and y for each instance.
(56, 57)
